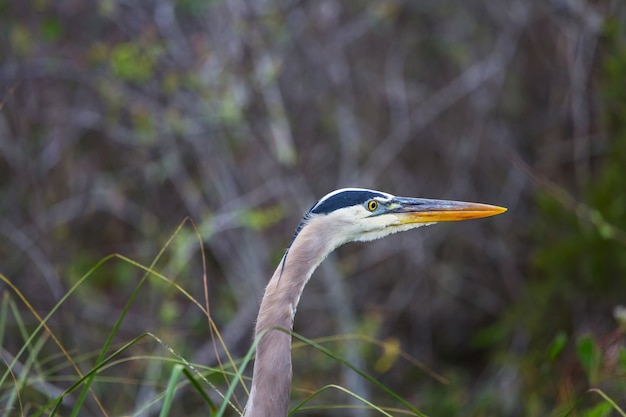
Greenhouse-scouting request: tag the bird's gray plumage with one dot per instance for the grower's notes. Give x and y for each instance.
(342, 216)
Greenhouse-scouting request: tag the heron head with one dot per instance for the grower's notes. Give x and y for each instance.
(357, 214)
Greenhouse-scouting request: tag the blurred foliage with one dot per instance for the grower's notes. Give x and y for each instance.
(118, 120)
(576, 272)
(130, 63)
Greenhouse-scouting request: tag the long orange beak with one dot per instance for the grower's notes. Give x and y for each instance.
(423, 210)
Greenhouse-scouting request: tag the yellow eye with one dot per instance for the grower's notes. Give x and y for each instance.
(372, 205)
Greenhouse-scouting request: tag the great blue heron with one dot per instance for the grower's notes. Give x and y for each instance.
(346, 215)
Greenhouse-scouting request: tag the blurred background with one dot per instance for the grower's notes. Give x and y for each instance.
(121, 119)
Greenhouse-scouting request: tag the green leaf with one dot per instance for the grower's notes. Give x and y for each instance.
(584, 349)
(589, 356)
(130, 62)
(559, 342)
(51, 29)
(601, 410)
(21, 40)
(260, 219)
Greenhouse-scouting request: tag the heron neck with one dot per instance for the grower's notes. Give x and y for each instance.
(271, 380)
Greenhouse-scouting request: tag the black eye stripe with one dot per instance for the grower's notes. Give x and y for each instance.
(345, 199)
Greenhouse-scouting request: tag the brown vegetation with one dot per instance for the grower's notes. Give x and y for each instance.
(120, 119)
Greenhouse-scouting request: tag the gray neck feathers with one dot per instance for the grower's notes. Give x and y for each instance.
(271, 381)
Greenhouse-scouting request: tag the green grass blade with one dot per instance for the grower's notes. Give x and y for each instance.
(365, 375)
(239, 376)
(4, 307)
(43, 321)
(609, 400)
(340, 388)
(22, 379)
(99, 361)
(119, 321)
(171, 390)
(197, 386)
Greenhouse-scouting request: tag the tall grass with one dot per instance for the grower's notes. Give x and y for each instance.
(69, 381)
(35, 384)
